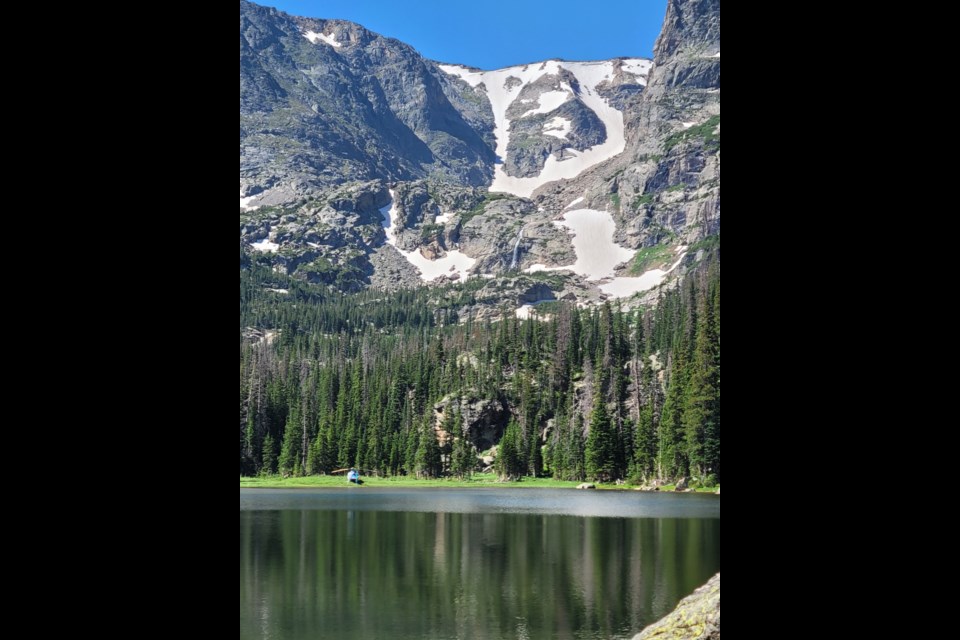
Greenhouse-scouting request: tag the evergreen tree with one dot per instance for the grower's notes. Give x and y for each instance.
(673, 458)
(269, 456)
(576, 463)
(700, 416)
(290, 450)
(464, 459)
(428, 462)
(601, 454)
(510, 458)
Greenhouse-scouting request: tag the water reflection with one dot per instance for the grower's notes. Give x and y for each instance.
(375, 574)
(559, 502)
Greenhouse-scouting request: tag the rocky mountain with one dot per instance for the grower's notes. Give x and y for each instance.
(324, 102)
(364, 164)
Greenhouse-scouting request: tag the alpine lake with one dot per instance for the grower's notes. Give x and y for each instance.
(397, 564)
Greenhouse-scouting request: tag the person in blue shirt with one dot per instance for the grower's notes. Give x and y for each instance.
(353, 476)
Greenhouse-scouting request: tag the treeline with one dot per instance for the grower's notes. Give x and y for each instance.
(356, 381)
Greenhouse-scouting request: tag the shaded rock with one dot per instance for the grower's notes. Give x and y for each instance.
(483, 419)
(682, 485)
(432, 251)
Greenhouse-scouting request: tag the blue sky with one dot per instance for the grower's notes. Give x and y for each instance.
(493, 34)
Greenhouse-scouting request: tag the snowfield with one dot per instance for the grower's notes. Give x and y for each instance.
(245, 203)
(640, 68)
(455, 262)
(550, 102)
(558, 128)
(626, 287)
(503, 88)
(317, 38)
(266, 246)
(598, 256)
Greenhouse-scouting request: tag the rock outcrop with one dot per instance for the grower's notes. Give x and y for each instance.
(483, 420)
(326, 101)
(697, 617)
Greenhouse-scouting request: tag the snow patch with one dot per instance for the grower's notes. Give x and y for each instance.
(266, 246)
(317, 38)
(558, 128)
(455, 262)
(473, 78)
(598, 256)
(589, 76)
(640, 68)
(576, 202)
(503, 88)
(528, 311)
(626, 287)
(550, 102)
(443, 218)
(524, 312)
(245, 203)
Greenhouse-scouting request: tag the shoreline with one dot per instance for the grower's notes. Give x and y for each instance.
(336, 482)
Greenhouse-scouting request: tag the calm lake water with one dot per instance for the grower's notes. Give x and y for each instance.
(475, 563)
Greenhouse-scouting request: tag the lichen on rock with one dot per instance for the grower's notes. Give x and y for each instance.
(697, 617)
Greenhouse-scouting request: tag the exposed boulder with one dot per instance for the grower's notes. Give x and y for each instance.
(697, 617)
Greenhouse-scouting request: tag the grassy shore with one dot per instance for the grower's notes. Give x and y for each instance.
(276, 482)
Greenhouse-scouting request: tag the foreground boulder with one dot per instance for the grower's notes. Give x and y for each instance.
(697, 617)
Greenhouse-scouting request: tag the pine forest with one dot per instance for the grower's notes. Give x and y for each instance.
(404, 384)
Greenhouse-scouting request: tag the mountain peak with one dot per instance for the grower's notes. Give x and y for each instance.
(690, 24)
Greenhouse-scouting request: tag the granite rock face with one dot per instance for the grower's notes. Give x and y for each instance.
(697, 617)
(482, 419)
(326, 102)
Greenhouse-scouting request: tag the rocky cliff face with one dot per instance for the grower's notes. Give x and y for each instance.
(686, 82)
(363, 164)
(326, 102)
(697, 617)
